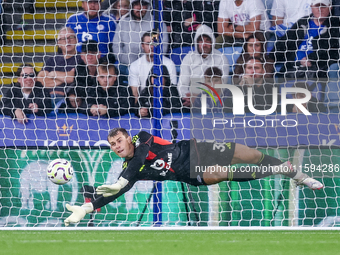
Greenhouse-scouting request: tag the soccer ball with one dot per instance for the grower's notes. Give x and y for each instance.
(60, 171)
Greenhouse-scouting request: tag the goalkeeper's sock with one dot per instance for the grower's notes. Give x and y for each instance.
(276, 166)
(246, 174)
(267, 166)
(267, 160)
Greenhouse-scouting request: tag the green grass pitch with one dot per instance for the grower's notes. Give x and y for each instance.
(160, 242)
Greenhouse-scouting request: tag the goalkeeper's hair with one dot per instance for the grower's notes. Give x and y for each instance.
(115, 131)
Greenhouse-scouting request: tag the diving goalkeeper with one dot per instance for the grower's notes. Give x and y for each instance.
(148, 157)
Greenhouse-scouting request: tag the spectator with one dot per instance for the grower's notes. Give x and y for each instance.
(171, 100)
(139, 69)
(27, 96)
(311, 45)
(126, 43)
(238, 19)
(85, 77)
(288, 12)
(87, 70)
(284, 14)
(117, 9)
(254, 77)
(92, 24)
(58, 71)
(181, 21)
(196, 62)
(183, 17)
(313, 104)
(255, 46)
(212, 76)
(108, 98)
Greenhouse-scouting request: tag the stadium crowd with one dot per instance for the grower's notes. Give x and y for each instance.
(105, 62)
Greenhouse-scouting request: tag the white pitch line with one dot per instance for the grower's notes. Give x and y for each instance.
(94, 241)
(171, 228)
(91, 241)
(39, 241)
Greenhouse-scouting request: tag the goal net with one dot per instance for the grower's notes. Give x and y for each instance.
(311, 142)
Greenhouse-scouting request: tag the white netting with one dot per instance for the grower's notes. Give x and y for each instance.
(71, 129)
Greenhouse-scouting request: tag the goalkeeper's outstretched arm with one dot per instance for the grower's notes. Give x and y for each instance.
(108, 194)
(121, 143)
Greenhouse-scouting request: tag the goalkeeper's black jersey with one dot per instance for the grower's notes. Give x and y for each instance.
(157, 159)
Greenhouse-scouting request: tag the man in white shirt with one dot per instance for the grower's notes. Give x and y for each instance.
(237, 19)
(287, 12)
(284, 14)
(196, 62)
(131, 27)
(140, 69)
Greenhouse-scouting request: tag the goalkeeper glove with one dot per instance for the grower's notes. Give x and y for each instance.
(78, 212)
(110, 190)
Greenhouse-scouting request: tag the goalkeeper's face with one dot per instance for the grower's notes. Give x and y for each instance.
(122, 145)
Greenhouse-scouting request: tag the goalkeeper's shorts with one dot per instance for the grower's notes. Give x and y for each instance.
(206, 154)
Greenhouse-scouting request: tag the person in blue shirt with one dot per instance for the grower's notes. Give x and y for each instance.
(92, 24)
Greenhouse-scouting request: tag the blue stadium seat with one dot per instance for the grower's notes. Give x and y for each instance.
(177, 55)
(232, 54)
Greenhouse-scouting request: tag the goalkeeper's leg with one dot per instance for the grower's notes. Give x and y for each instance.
(267, 165)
